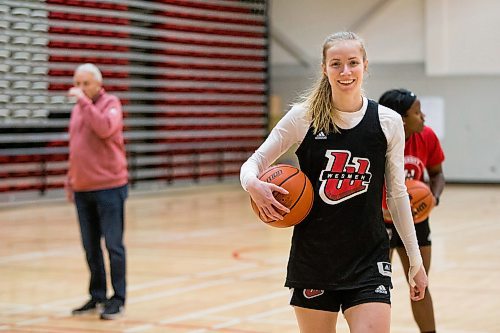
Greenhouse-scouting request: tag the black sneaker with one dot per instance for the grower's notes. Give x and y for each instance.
(112, 309)
(89, 307)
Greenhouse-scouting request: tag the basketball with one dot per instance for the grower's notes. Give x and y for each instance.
(300, 195)
(421, 199)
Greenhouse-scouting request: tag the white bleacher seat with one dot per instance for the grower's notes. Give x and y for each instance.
(21, 113)
(40, 27)
(4, 98)
(4, 9)
(21, 84)
(4, 25)
(57, 99)
(40, 99)
(4, 84)
(4, 68)
(4, 39)
(41, 41)
(21, 69)
(21, 40)
(40, 70)
(4, 113)
(21, 99)
(20, 11)
(21, 55)
(39, 13)
(40, 113)
(40, 85)
(40, 57)
(23, 26)
(4, 53)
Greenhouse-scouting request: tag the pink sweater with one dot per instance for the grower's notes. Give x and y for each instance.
(96, 149)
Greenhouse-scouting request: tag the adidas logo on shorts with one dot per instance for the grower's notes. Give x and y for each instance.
(381, 290)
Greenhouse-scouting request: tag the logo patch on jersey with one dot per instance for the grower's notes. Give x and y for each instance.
(311, 293)
(381, 290)
(320, 136)
(344, 177)
(384, 268)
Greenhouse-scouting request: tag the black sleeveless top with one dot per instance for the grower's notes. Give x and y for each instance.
(343, 243)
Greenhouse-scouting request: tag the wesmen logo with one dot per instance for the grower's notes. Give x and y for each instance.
(344, 177)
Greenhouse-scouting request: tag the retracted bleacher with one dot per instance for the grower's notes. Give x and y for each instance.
(192, 76)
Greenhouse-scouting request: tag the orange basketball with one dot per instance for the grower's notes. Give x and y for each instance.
(421, 199)
(300, 195)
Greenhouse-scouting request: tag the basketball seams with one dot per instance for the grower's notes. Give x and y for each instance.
(421, 195)
(299, 188)
(304, 183)
(290, 176)
(270, 170)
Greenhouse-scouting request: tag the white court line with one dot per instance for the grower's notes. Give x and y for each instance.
(35, 255)
(228, 306)
(56, 305)
(483, 246)
(158, 283)
(177, 291)
(10, 308)
(253, 275)
(208, 232)
(212, 310)
(257, 318)
(226, 270)
(260, 315)
(32, 321)
(140, 328)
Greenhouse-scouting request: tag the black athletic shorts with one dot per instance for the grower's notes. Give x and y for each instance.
(334, 300)
(423, 234)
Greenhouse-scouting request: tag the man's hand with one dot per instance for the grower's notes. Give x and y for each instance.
(76, 92)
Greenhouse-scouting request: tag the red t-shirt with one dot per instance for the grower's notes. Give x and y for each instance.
(422, 151)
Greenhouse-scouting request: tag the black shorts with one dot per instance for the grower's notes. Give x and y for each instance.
(422, 230)
(334, 300)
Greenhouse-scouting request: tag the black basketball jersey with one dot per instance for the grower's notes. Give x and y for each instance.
(343, 244)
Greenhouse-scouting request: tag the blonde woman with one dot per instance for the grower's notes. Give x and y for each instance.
(347, 144)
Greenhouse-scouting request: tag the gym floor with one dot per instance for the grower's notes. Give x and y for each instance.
(200, 261)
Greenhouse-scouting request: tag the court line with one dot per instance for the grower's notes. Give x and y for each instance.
(228, 306)
(177, 291)
(36, 255)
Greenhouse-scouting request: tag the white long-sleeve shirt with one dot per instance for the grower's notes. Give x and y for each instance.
(293, 127)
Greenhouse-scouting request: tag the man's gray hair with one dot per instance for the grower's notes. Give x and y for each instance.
(91, 68)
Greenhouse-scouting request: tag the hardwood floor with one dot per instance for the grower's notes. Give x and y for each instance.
(200, 261)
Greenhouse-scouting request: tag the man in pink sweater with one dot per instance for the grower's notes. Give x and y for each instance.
(97, 183)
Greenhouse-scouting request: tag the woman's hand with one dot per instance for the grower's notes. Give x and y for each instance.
(418, 283)
(262, 195)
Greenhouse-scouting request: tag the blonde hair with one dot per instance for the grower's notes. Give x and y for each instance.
(318, 100)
